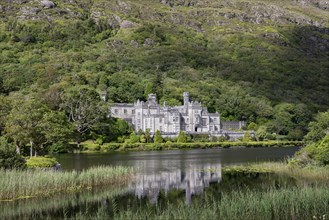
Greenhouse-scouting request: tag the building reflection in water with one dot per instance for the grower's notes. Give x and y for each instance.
(193, 179)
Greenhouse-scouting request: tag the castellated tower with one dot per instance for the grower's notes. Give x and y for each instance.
(152, 99)
(186, 96)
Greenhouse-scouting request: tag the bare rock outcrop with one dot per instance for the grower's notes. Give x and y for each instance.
(172, 3)
(127, 24)
(47, 4)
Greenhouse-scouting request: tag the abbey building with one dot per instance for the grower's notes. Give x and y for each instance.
(190, 117)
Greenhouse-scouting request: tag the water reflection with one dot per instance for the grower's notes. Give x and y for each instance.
(192, 180)
(163, 177)
(156, 161)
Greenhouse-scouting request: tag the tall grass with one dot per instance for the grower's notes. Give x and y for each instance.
(311, 172)
(45, 207)
(26, 183)
(293, 203)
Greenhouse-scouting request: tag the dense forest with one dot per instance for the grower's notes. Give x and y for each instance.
(266, 62)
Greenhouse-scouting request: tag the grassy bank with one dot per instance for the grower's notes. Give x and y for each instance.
(29, 183)
(92, 147)
(311, 172)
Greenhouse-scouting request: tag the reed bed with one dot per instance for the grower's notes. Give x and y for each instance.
(294, 203)
(30, 183)
(311, 172)
(45, 207)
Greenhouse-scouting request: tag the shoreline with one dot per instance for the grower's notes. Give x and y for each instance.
(111, 147)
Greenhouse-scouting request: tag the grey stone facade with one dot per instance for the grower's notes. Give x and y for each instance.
(190, 117)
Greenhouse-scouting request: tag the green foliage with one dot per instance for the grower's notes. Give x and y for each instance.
(41, 162)
(60, 147)
(195, 145)
(23, 123)
(9, 159)
(317, 150)
(257, 70)
(182, 137)
(148, 135)
(252, 126)
(142, 138)
(133, 138)
(322, 153)
(247, 137)
(261, 133)
(290, 118)
(115, 129)
(319, 127)
(158, 137)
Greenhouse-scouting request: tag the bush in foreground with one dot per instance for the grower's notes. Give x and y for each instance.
(9, 159)
(41, 162)
(313, 154)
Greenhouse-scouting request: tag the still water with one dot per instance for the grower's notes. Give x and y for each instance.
(162, 177)
(189, 170)
(157, 161)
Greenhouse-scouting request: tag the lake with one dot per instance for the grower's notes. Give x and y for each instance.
(163, 178)
(157, 161)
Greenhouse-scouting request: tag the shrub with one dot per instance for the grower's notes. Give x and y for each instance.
(157, 137)
(60, 147)
(247, 137)
(133, 138)
(182, 137)
(99, 141)
(322, 151)
(41, 162)
(313, 154)
(111, 146)
(9, 159)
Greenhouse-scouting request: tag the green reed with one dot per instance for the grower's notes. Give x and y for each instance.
(293, 203)
(310, 172)
(44, 207)
(30, 183)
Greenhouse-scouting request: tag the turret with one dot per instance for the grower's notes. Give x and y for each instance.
(186, 96)
(152, 99)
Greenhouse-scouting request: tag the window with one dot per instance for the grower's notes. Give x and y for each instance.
(116, 111)
(204, 121)
(160, 120)
(125, 111)
(133, 111)
(160, 128)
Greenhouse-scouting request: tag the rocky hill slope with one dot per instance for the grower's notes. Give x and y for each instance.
(230, 54)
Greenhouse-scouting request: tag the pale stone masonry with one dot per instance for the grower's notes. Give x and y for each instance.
(190, 117)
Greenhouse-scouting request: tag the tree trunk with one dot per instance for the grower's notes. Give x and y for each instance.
(78, 145)
(18, 149)
(31, 148)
